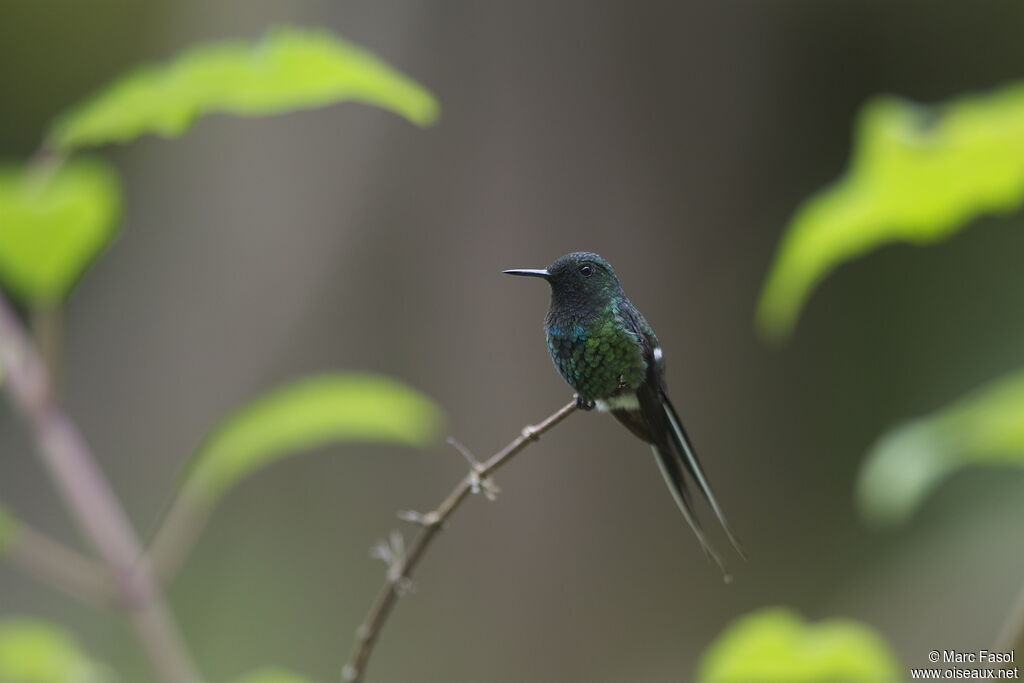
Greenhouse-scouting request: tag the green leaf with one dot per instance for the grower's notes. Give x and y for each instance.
(53, 223)
(985, 426)
(34, 651)
(272, 676)
(917, 175)
(774, 645)
(289, 69)
(308, 413)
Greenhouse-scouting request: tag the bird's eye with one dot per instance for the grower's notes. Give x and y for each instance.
(586, 270)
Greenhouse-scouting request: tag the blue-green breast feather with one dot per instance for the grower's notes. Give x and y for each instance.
(600, 356)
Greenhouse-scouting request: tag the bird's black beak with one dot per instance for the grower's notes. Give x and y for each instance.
(529, 272)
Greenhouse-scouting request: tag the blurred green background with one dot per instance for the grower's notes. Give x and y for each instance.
(674, 138)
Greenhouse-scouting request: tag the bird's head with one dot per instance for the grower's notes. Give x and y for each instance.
(581, 277)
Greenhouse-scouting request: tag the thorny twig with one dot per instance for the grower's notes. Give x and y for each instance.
(402, 562)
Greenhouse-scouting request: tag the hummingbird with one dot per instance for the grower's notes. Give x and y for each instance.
(605, 349)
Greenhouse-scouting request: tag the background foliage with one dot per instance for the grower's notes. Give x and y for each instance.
(54, 224)
(917, 174)
(677, 141)
(775, 645)
(289, 69)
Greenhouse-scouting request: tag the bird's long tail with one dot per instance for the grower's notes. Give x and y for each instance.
(668, 463)
(689, 459)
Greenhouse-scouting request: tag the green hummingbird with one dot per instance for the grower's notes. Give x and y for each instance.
(608, 353)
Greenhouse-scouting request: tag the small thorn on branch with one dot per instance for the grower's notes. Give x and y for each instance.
(429, 519)
(466, 453)
(485, 485)
(392, 553)
(478, 481)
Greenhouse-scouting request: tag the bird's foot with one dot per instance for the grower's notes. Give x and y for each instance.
(584, 403)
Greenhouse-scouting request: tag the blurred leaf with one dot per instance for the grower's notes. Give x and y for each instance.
(774, 645)
(53, 223)
(308, 413)
(272, 676)
(34, 651)
(288, 69)
(986, 426)
(917, 175)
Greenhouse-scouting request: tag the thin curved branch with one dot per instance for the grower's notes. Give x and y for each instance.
(401, 572)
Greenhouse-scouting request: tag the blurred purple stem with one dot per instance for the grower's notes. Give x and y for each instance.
(90, 500)
(61, 567)
(47, 325)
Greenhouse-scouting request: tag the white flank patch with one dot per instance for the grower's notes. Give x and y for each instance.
(657, 354)
(620, 402)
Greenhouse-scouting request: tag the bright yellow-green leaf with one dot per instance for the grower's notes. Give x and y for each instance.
(34, 651)
(53, 223)
(272, 676)
(288, 69)
(986, 426)
(917, 175)
(308, 413)
(774, 645)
